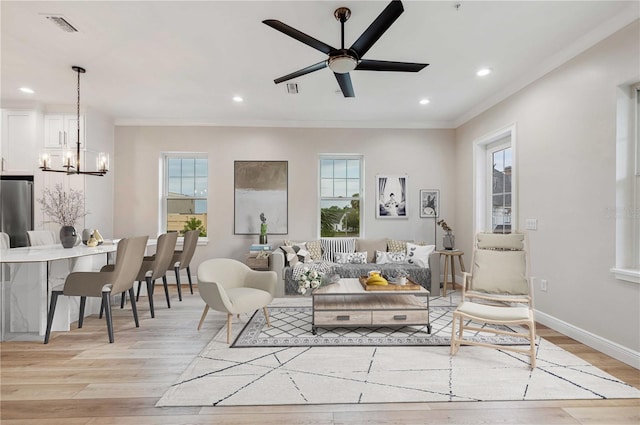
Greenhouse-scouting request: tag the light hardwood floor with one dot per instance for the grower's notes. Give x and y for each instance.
(79, 378)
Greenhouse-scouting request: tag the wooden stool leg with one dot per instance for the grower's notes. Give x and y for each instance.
(453, 273)
(446, 272)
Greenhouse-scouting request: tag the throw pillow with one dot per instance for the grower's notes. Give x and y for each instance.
(295, 254)
(419, 254)
(333, 245)
(394, 245)
(314, 248)
(385, 257)
(350, 257)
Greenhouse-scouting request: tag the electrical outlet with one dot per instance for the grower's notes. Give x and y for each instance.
(531, 224)
(543, 285)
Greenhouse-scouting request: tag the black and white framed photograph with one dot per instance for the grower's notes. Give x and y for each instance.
(260, 196)
(391, 196)
(429, 203)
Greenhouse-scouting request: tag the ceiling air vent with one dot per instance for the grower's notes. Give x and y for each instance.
(61, 23)
(292, 88)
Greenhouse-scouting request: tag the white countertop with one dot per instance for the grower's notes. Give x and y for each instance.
(34, 254)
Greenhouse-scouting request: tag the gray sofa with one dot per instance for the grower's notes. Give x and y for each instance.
(424, 276)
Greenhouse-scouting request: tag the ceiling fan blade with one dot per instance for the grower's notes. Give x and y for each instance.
(299, 35)
(301, 72)
(344, 80)
(373, 65)
(382, 23)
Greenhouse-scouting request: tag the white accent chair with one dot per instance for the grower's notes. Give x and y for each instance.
(498, 291)
(41, 237)
(231, 287)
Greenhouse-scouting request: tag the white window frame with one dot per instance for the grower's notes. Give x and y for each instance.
(164, 185)
(361, 198)
(483, 167)
(627, 208)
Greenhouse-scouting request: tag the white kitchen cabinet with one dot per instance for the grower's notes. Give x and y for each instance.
(19, 141)
(61, 131)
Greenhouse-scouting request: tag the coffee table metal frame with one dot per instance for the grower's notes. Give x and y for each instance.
(348, 304)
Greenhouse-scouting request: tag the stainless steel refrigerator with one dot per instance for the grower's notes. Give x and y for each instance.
(16, 208)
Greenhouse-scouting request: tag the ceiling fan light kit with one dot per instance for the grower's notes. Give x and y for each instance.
(342, 61)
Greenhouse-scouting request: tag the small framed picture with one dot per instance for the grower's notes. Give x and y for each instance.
(429, 203)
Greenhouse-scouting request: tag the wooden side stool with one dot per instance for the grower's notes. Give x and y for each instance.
(449, 254)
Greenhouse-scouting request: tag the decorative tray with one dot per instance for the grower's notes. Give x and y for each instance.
(409, 286)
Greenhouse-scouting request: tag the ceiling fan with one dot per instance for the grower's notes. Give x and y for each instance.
(342, 60)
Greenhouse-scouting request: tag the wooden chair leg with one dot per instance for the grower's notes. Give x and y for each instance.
(178, 284)
(229, 320)
(107, 312)
(150, 292)
(204, 314)
(532, 351)
(266, 315)
(83, 301)
(52, 309)
(452, 351)
(189, 276)
(134, 308)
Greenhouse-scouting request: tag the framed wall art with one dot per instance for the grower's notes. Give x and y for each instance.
(391, 196)
(429, 203)
(260, 192)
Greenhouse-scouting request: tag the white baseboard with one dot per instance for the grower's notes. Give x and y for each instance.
(610, 348)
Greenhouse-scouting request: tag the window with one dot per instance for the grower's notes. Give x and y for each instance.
(185, 190)
(627, 209)
(340, 196)
(495, 188)
(501, 164)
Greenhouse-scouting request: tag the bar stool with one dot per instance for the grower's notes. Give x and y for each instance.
(449, 254)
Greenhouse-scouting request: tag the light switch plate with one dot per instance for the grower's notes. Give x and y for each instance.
(531, 224)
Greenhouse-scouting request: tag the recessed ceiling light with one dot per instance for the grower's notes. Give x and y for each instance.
(26, 90)
(483, 72)
(237, 99)
(424, 101)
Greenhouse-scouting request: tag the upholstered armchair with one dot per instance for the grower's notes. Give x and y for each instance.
(231, 287)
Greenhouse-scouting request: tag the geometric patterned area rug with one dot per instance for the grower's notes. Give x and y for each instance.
(288, 375)
(291, 327)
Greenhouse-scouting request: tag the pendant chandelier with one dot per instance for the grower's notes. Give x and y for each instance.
(70, 158)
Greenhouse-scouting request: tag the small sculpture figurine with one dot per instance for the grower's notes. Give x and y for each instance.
(263, 229)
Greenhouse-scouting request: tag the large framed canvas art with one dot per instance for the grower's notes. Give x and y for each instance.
(391, 196)
(260, 193)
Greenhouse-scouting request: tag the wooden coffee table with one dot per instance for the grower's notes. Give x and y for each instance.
(347, 303)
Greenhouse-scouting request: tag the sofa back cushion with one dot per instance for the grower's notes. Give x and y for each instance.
(371, 246)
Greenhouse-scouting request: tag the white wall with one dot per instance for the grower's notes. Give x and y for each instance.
(425, 155)
(566, 139)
